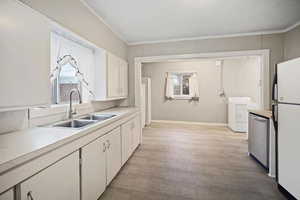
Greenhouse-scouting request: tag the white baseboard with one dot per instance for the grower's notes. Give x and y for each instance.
(188, 122)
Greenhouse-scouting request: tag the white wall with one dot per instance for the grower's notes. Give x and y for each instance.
(292, 44)
(73, 15)
(241, 78)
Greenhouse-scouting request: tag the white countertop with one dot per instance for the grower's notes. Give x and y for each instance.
(21, 146)
(264, 113)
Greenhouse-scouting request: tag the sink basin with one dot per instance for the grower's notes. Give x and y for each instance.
(98, 117)
(75, 123)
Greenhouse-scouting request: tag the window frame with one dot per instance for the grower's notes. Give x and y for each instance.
(182, 96)
(71, 41)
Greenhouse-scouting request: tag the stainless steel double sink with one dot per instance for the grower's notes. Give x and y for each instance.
(84, 121)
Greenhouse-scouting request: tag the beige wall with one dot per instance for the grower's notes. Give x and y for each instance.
(292, 44)
(73, 15)
(240, 78)
(274, 42)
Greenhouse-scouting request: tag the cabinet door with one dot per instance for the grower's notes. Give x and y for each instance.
(93, 169)
(114, 160)
(127, 140)
(24, 57)
(59, 181)
(113, 76)
(123, 78)
(9, 195)
(136, 132)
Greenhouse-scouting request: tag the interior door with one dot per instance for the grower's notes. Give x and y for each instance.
(288, 81)
(289, 148)
(114, 160)
(113, 76)
(93, 169)
(60, 181)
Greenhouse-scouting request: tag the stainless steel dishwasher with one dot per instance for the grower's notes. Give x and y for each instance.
(258, 139)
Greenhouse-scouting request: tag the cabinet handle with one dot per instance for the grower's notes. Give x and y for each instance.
(104, 147)
(108, 144)
(29, 195)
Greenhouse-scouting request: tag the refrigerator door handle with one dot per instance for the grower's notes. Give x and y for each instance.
(274, 116)
(274, 85)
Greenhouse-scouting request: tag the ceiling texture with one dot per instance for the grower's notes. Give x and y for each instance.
(148, 21)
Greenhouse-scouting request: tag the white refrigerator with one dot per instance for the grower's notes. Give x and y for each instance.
(288, 126)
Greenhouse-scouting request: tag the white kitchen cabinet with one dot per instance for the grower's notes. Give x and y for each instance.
(113, 149)
(136, 132)
(9, 195)
(110, 77)
(127, 140)
(123, 78)
(60, 181)
(113, 76)
(24, 57)
(131, 136)
(93, 169)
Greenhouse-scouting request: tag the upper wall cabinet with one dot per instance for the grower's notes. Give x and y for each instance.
(24, 56)
(111, 77)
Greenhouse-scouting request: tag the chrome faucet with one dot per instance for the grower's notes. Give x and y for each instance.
(71, 112)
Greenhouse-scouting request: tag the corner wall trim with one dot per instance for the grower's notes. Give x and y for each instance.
(189, 123)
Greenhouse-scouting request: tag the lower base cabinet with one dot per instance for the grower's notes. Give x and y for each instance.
(127, 140)
(136, 132)
(101, 161)
(93, 169)
(60, 181)
(84, 174)
(114, 152)
(9, 195)
(131, 137)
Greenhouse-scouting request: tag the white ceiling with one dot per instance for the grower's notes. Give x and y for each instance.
(142, 21)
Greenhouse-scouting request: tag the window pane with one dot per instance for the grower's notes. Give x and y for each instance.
(67, 82)
(177, 84)
(185, 85)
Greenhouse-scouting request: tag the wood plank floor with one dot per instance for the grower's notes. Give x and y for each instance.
(189, 162)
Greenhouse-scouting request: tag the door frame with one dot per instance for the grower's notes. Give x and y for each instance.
(264, 54)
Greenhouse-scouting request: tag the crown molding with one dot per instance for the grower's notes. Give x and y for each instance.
(218, 36)
(291, 27)
(206, 37)
(93, 11)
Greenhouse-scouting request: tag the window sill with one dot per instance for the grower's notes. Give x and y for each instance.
(182, 97)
